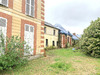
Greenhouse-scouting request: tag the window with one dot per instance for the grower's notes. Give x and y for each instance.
(44, 29)
(3, 30)
(68, 39)
(53, 43)
(57, 43)
(46, 42)
(53, 32)
(4, 2)
(30, 7)
(29, 28)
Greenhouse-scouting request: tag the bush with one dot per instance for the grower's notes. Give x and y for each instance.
(50, 48)
(90, 41)
(12, 55)
(68, 45)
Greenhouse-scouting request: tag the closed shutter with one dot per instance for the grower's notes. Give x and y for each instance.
(4, 2)
(30, 7)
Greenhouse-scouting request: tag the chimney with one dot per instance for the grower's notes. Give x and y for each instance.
(74, 34)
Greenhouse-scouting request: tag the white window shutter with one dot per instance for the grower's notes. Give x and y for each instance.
(4, 2)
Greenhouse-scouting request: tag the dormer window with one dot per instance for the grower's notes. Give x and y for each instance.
(30, 7)
(4, 2)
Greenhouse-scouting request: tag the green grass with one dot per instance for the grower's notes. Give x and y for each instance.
(59, 62)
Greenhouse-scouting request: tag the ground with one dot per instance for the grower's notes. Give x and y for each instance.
(60, 62)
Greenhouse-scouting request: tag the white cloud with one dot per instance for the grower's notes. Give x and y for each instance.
(74, 15)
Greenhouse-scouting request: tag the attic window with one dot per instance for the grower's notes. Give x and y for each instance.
(4, 2)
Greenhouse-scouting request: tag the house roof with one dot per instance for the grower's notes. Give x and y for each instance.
(62, 30)
(76, 37)
(50, 25)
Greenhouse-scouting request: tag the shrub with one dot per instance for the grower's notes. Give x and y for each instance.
(68, 45)
(50, 48)
(90, 41)
(13, 53)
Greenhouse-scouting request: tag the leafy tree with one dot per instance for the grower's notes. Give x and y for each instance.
(90, 41)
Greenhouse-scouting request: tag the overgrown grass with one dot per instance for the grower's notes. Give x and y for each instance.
(60, 62)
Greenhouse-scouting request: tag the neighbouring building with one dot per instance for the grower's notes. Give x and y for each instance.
(75, 38)
(24, 18)
(50, 35)
(65, 36)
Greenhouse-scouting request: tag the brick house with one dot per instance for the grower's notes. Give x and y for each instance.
(65, 36)
(24, 18)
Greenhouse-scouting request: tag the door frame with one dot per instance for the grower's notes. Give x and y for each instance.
(23, 22)
(29, 32)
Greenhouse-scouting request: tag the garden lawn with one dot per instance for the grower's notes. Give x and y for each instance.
(59, 62)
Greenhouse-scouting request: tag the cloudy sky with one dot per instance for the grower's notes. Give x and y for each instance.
(73, 15)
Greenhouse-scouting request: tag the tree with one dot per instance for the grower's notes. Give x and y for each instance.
(90, 41)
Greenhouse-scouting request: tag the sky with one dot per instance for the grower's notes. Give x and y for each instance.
(73, 15)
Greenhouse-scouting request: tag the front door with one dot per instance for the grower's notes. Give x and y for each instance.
(29, 39)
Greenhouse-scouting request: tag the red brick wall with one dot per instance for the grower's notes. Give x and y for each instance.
(9, 23)
(10, 4)
(63, 40)
(23, 22)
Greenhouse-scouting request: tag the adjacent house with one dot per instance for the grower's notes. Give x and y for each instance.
(50, 35)
(24, 18)
(75, 38)
(65, 36)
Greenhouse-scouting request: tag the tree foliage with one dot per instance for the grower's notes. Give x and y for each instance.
(11, 54)
(90, 41)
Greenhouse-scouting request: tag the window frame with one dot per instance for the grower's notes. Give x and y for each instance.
(30, 8)
(53, 43)
(46, 42)
(29, 27)
(3, 4)
(68, 39)
(54, 32)
(45, 30)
